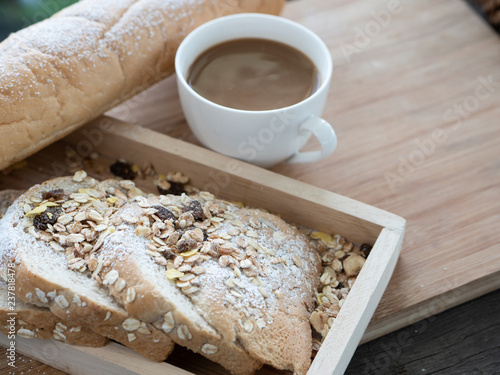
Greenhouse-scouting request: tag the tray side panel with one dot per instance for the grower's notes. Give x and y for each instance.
(113, 359)
(235, 180)
(349, 326)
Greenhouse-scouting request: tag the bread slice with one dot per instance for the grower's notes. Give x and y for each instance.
(29, 321)
(33, 321)
(151, 297)
(251, 282)
(43, 268)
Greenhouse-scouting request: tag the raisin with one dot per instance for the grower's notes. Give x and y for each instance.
(169, 254)
(340, 286)
(57, 194)
(164, 213)
(365, 250)
(175, 189)
(122, 169)
(49, 216)
(196, 210)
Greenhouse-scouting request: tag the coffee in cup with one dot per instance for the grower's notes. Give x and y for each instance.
(263, 132)
(253, 74)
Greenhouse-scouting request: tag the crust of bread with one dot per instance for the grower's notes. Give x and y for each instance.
(60, 73)
(45, 288)
(7, 197)
(42, 323)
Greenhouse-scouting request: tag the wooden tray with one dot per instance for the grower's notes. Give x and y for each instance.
(234, 180)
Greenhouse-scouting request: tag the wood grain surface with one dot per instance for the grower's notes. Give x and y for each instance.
(415, 108)
(414, 102)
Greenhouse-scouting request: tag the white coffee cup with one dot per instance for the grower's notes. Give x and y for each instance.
(266, 137)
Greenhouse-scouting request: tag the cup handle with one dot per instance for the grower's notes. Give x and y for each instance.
(326, 136)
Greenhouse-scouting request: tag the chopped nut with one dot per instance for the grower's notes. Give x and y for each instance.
(177, 177)
(353, 264)
(339, 254)
(318, 320)
(131, 324)
(336, 265)
(77, 300)
(143, 329)
(127, 184)
(131, 337)
(79, 176)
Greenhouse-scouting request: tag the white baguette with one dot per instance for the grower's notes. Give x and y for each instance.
(61, 73)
